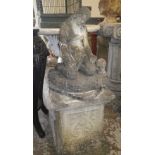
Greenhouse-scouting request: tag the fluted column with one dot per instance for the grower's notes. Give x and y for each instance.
(113, 32)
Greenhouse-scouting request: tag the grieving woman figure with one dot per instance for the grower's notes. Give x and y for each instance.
(40, 54)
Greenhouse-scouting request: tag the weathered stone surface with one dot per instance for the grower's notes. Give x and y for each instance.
(74, 127)
(111, 9)
(76, 52)
(76, 118)
(80, 84)
(57, 97)
(75, 91)
(114, 61)
(113, 31)
(110, 142)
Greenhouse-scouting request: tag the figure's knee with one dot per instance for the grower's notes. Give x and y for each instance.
(88, 68)
(69, 71)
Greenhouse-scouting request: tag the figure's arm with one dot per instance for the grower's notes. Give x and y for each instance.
(85, 42)
(92, 57)
(64, 31)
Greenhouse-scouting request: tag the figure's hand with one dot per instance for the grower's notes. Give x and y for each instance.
(101, 64)
(93, 58)
(53, 45)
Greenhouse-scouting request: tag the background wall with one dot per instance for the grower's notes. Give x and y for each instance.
(94, 4)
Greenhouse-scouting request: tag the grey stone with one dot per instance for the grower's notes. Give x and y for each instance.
(113, 31)
(75, 91)
(76, 52)
(76, 118)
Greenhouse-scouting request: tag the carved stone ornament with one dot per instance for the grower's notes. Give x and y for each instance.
(75, 91)
(76, 53)
(76, 117)
(111, 9)
(111, 30)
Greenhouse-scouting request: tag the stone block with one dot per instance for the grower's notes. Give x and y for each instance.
(76, 126)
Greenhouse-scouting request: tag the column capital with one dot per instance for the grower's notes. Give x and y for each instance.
(112, 30)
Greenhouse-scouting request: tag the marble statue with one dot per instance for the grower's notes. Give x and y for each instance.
(76, 52)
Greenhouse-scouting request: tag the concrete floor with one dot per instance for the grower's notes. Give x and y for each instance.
(111, 140)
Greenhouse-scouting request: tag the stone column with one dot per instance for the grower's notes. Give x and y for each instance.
(113, 32)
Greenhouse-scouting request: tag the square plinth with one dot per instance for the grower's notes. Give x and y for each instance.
(74, 128)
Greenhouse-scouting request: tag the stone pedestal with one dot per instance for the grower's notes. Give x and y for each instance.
(113, 32)
(75, 129)
(76, 117)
